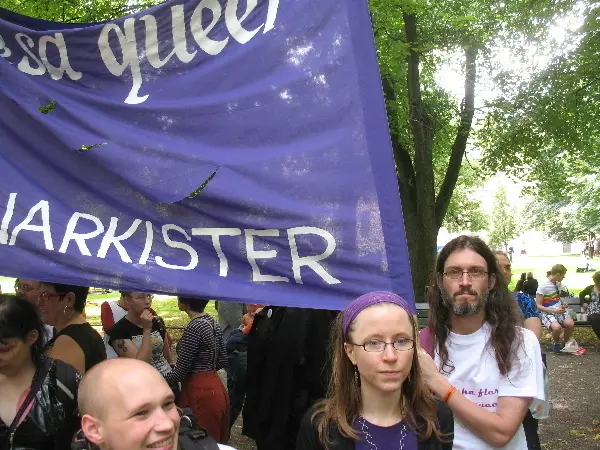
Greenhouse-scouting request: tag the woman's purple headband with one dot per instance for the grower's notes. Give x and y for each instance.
(370, 299)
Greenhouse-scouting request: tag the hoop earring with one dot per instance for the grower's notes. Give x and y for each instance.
(65, 312)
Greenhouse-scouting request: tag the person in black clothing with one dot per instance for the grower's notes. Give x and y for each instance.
(377, 393)
(519, 285)
(287, 372)
(530, 285)
(141, 335)
(75, 341)
(38, 401)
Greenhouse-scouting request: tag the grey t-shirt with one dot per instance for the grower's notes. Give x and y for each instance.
(230, 317)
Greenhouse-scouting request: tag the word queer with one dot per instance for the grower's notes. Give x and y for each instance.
(133, 46)
(38, 220)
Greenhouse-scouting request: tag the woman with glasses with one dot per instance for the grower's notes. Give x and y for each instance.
(377, 396)
(141, 335)
(75, 341)
(38, 395)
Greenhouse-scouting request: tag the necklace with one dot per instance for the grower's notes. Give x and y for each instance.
(365, 430)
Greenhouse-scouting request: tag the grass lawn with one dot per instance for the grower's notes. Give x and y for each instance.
(164, 307)
(575, 282)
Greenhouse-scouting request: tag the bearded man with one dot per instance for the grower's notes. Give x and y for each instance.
(485, 365)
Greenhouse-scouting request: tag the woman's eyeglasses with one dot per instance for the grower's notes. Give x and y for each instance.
(45, 296)
(375, 345)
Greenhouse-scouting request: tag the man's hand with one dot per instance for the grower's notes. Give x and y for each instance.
(146, 318)
(435, 381)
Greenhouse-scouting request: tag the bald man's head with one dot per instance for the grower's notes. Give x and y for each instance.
(127, 405)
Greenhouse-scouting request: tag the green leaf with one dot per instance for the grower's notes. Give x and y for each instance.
(89, 147)
(47, 109)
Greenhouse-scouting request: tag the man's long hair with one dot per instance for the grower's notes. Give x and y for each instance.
(501, 311)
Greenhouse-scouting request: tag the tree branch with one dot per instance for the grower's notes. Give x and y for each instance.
(462, 135)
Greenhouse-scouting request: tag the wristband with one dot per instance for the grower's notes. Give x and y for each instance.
(449, 394)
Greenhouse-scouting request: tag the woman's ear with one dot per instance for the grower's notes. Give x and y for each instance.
(32, 336)
(349, 349)
(70, 298)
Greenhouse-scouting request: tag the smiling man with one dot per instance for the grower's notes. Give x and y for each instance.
(486, 367)
(125, 404)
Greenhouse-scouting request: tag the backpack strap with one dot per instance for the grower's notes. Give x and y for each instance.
(36, 385)
(67, 383)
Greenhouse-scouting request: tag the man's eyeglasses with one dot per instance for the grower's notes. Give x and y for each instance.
(375, 345)
(25, 288)
(475, 273)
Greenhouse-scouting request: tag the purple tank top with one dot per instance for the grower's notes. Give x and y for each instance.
(384, 438)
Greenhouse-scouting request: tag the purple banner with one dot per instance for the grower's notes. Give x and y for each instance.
(108, 131)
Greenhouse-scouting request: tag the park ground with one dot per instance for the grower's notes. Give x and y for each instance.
(574, 421)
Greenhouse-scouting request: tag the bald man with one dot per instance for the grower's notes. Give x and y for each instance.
(126, 404)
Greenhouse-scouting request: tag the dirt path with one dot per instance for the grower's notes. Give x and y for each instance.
(574, 422)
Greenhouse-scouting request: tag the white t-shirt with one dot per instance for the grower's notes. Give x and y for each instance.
(118, 313)
(225, 447)
(477, 377)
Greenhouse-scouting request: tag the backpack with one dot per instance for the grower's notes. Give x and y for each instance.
(193, 437)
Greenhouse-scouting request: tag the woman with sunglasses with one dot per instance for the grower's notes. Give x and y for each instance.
(377, 396)
(75, 341)
(38, 395)
(140, 334)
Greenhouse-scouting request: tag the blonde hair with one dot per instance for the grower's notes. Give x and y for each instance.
(342, 405)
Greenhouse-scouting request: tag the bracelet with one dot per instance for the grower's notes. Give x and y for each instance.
(449, 394)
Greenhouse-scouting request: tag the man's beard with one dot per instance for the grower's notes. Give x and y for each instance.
(465, 309)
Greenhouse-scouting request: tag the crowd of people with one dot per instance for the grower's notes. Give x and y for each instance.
(365, 378)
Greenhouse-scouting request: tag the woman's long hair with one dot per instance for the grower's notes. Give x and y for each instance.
(342, 406)
(501, 311)
(18, 318)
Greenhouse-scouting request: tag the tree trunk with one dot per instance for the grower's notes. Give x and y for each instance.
(421, 224)
(423, 212)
